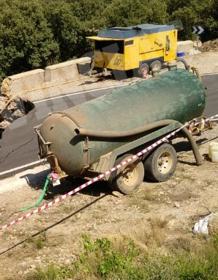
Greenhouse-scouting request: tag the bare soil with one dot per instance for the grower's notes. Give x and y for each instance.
(159, 215)
(209, 46)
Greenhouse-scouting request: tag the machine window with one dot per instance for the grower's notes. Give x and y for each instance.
(110, 46)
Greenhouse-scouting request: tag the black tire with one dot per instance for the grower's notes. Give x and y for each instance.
(130, 73)
(143, 70)
(156, 66)
(128, 178)
(161, 163)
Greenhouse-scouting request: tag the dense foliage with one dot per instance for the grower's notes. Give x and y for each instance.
(35, 33)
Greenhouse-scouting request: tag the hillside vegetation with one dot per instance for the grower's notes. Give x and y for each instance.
(36, 33)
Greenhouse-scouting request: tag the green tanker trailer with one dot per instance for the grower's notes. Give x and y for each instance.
(90, 138)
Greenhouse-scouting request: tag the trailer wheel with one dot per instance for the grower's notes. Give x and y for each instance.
(128, 178)
(156, 66)
(143, 70)
(161, 164)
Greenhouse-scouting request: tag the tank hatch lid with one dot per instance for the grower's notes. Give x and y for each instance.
(133, 31)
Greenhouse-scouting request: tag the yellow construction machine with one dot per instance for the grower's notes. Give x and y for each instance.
(142, 48)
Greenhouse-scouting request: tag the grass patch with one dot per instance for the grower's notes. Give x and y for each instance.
(150, 194)
(38, 242)
(122, 259)
(158, 230)
(143, 198)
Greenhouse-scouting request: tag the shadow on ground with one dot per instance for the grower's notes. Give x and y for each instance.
(67, 184)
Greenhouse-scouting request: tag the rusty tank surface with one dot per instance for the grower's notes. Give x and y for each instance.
(77, 137)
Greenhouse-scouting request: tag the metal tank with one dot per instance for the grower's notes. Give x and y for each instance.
(78, 136)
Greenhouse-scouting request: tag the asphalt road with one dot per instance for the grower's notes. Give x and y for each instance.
(211, 83)
(19, 143)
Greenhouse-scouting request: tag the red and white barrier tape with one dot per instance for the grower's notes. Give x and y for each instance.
(94, 180)
(212, 118)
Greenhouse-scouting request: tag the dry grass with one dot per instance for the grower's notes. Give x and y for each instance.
(181, 196)
(124, 259)
(150, 234)
(143, 198)
(149, 194)
(38, 242)
(135, 200)
(180, 243)
(158, 229)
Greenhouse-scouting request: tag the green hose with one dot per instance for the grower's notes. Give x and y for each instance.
(40, 199)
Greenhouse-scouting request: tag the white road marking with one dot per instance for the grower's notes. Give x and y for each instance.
(209, 74)
(76, 93)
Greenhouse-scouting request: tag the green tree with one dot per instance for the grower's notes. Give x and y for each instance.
(65, 28)
(72, 21)
(194, 12)
(35, 33)
(26, 41)
(125, 13)
(90, 12)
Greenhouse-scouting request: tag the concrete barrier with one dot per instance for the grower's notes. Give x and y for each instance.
(28, 84)
(26, 179)
(66, 71)
(206, 62)
(18, 84)
(185, 46)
